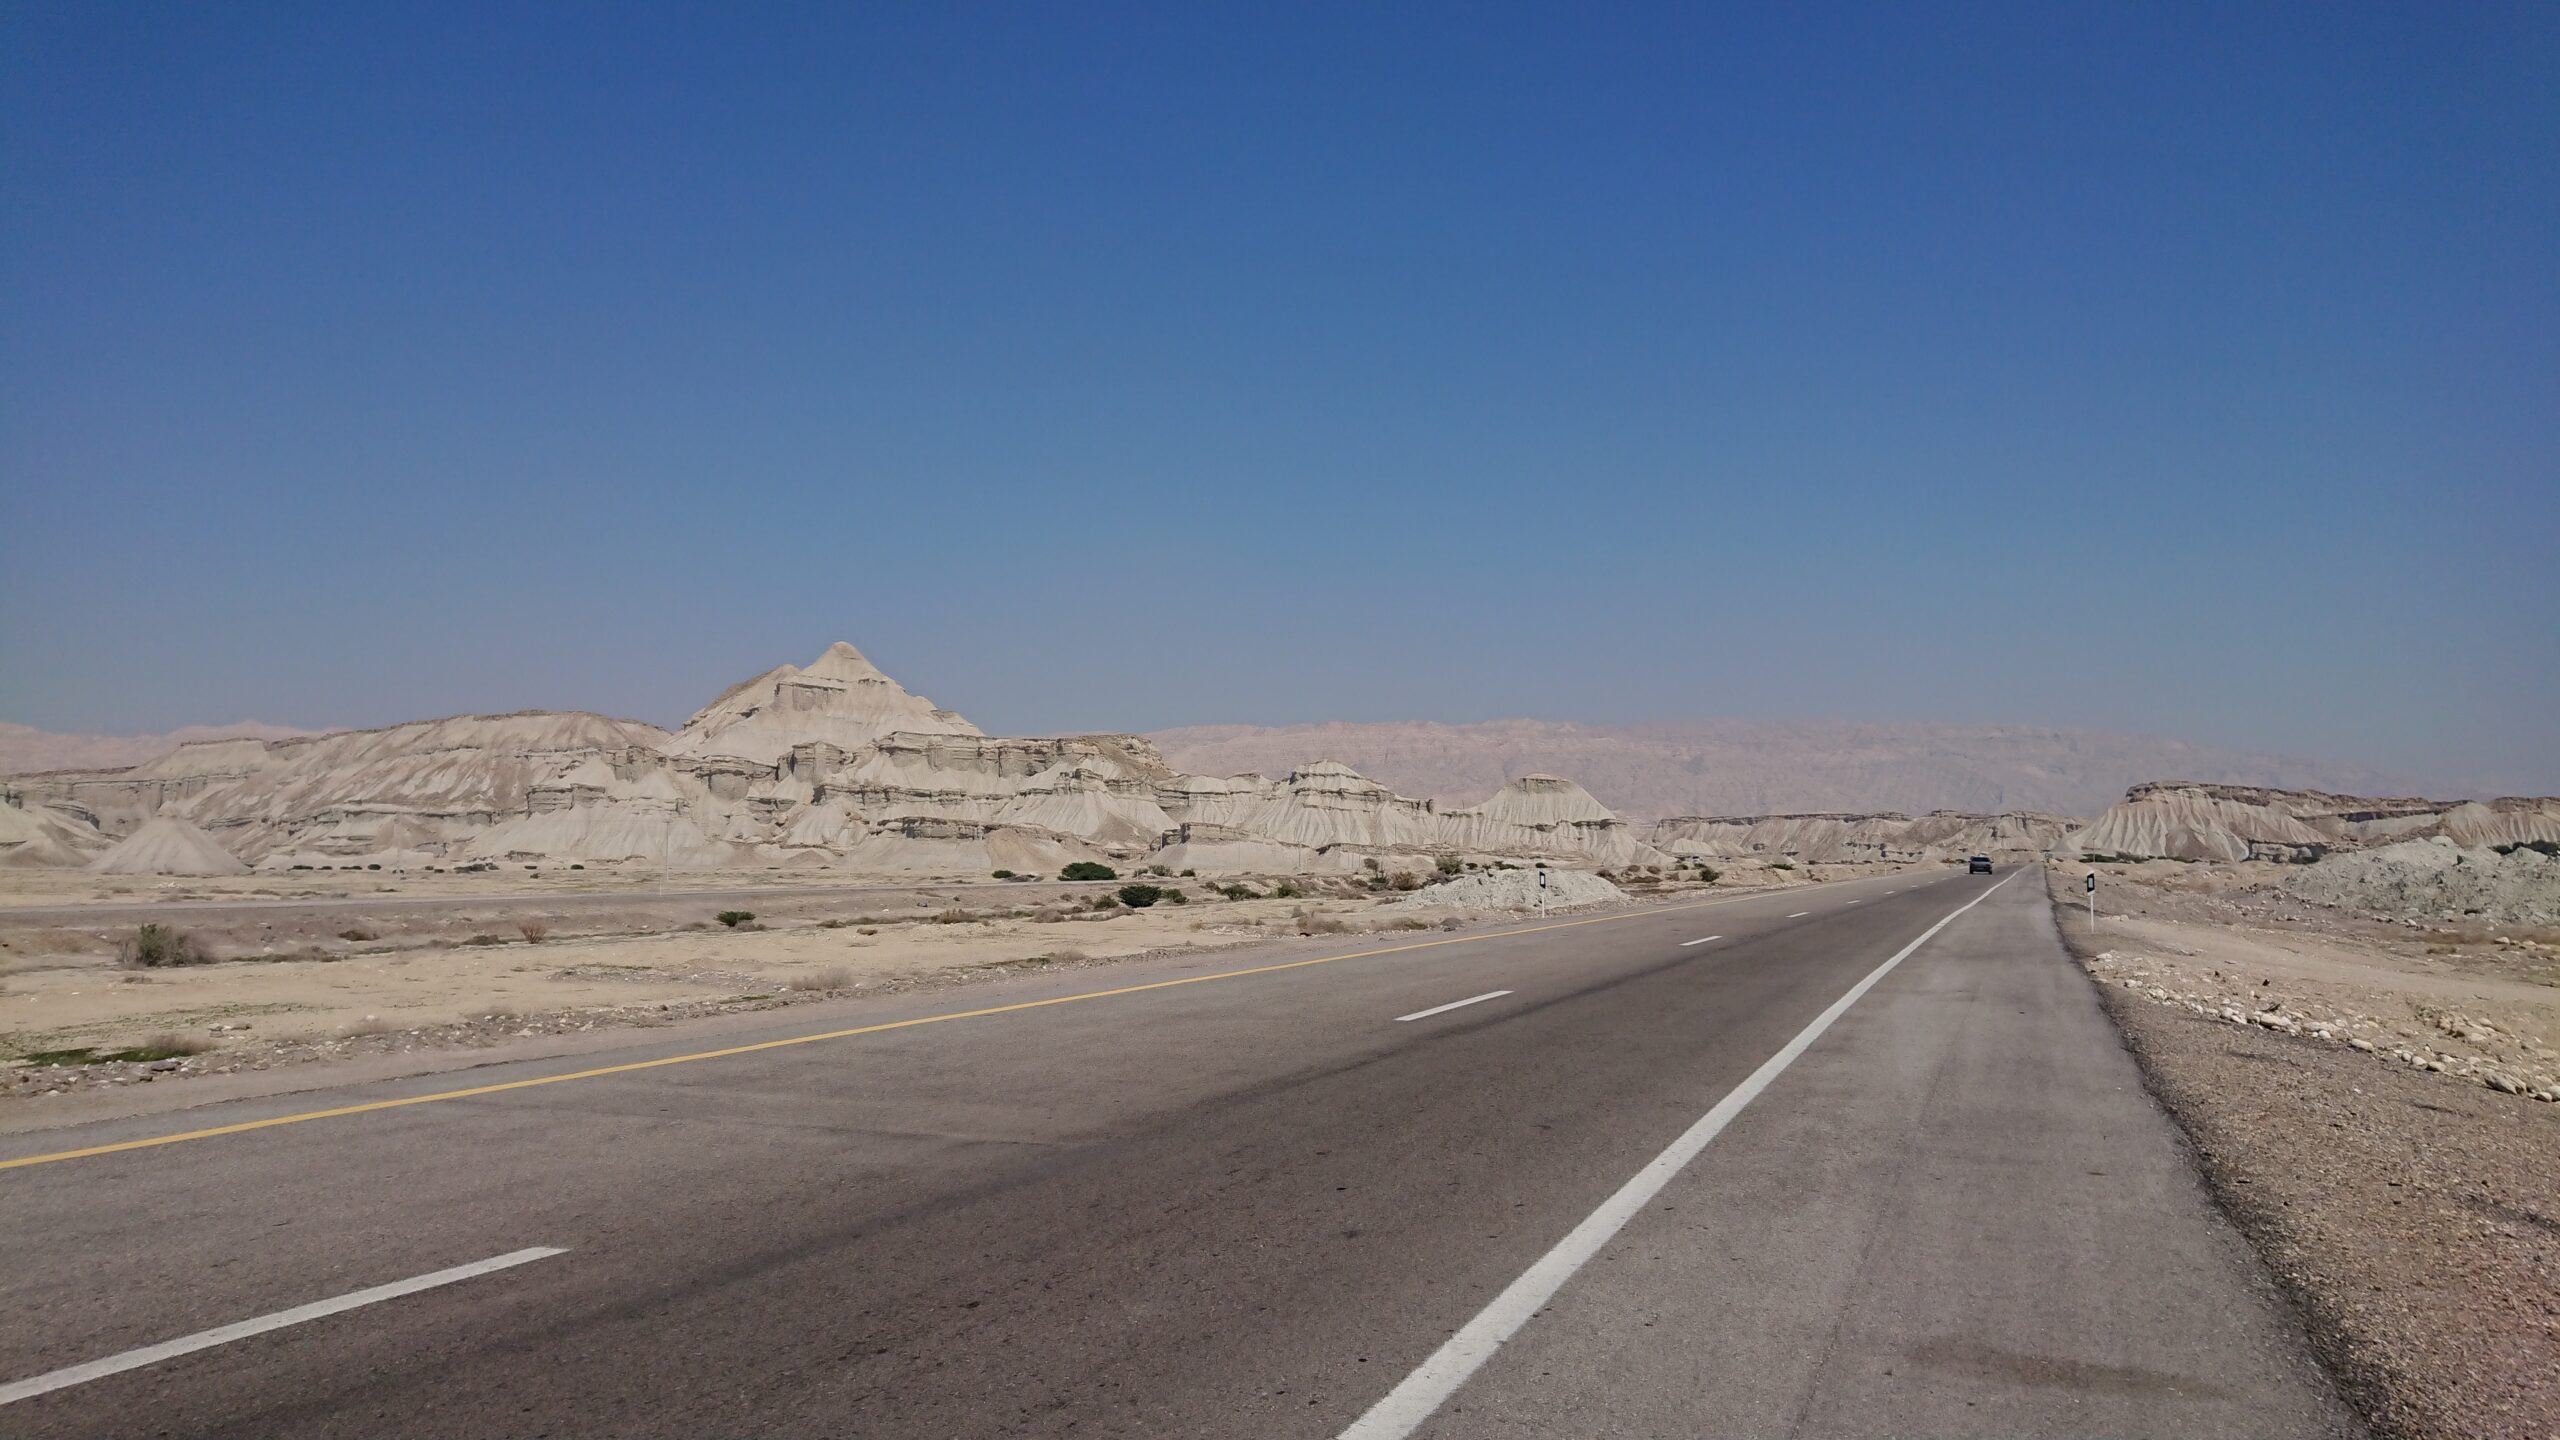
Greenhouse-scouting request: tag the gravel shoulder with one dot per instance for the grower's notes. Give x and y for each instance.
(2411, 1214)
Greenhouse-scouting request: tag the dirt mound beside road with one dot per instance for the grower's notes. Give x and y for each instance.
(2437, 880)
(1516, 890)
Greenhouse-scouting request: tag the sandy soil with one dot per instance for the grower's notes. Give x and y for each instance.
(2406, 1205)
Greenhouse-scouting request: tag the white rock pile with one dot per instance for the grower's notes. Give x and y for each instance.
(1515, 890)
(2448, 1045)
(2436, 880)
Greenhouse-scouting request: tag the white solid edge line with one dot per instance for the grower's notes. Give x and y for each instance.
(206, 1339)
(1421, 1394)
(1701, 940)
(1799, 914)
(1452, 1005)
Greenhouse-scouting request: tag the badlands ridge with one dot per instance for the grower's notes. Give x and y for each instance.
(836, 765)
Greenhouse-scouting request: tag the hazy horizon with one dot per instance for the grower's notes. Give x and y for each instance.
(2180, 374)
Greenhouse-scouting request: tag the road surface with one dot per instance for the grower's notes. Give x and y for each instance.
(1862, 1159)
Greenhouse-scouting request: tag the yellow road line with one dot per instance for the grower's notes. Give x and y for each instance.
(625, 1069)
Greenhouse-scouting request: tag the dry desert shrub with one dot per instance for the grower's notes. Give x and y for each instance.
(831, 977)
(369, 1025)
(1312, 921)
(485, 939)
(1063, 957)
(534, 932)
(953, 916)
(154, 946)
(358, 935)
(1452, 922)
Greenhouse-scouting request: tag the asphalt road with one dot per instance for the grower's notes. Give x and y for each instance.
(1252, 1204)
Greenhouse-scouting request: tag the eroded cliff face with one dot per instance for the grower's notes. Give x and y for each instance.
(832, 764)
(2183, 820)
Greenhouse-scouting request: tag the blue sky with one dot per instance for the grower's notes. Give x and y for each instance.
(2190, 370)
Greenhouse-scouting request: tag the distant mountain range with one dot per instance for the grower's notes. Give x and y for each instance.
(1765, 767)
(24, 748)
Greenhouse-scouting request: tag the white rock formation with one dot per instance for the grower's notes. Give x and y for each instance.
(168, 846)
(832, 764)
(2187, 821)
(840, 699)
(2436, 879)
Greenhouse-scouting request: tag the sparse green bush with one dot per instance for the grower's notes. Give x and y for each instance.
(1284, 891)
(734, 918)
(1139, 897)
(1106, 902)
(1173, 896)
(1782, 864)
(1708, 874)
(1003, 874)
(1450, 865)
(1088, 870)
(1238, 892)
(1159, 870)
(1187, 874)
(155, 946)
(1406, 880)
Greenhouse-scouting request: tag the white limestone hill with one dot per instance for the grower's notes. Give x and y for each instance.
(832, 764)
(838, 699)
(45, 839)
(2186, 820)
(168, 846)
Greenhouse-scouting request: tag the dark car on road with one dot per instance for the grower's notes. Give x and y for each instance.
(1978, 865)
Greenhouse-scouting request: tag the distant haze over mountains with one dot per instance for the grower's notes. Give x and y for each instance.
(24, 748)
(1765, 767)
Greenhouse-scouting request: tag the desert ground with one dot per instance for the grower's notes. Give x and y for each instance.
(295, 973)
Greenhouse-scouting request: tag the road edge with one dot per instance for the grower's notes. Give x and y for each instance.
(2367, 1390)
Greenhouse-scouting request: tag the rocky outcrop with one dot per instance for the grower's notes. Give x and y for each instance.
(168, 846)
(840, 699)
(2437, 879)
(829, 764)
(2185, 820)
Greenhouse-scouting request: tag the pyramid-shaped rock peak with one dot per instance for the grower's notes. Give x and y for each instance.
(838, 699)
